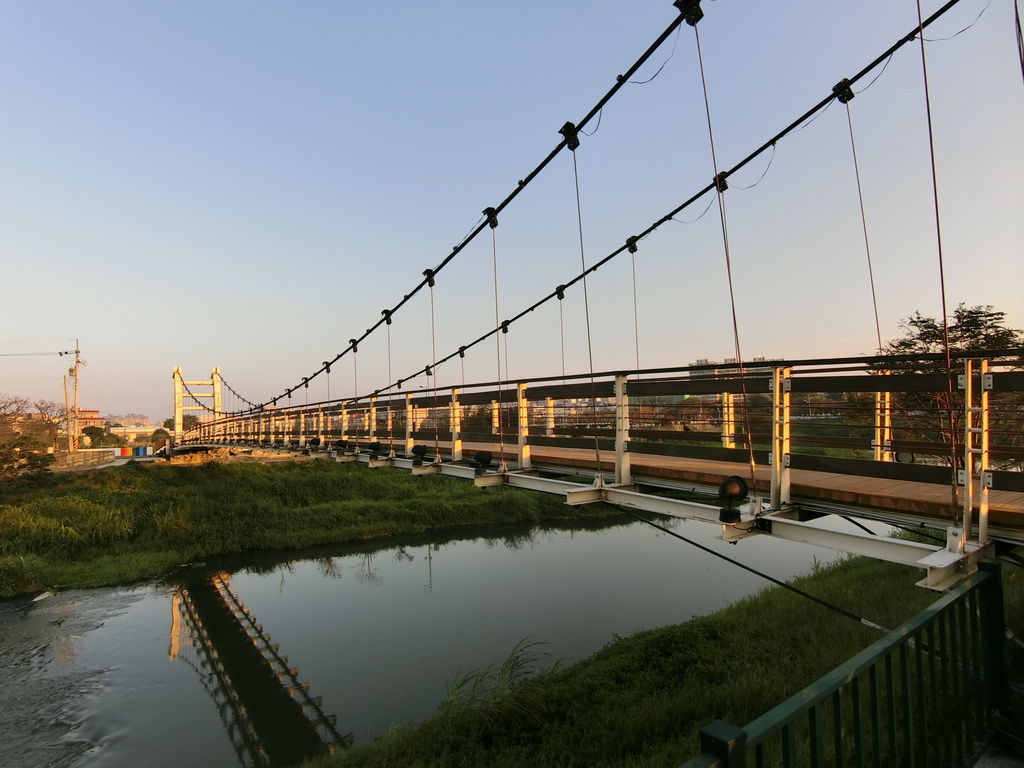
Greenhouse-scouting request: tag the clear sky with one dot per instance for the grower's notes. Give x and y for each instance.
(247, 184)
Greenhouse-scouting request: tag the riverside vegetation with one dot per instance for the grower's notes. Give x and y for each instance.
(642, 700)
(638, 702)
(114, 526)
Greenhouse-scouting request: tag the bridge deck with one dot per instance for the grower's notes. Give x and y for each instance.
(926, 500)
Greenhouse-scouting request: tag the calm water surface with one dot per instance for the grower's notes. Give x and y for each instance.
(258, 661)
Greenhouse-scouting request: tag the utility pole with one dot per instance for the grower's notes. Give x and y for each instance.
(67, 417)
(72, 413)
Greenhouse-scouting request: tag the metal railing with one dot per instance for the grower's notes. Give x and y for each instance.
(923, 695)
(895, 417)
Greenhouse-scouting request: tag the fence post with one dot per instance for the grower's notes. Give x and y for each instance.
(373, 419)
(993, 624)
(726, 742)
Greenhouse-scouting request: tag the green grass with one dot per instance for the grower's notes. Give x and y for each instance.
(115, 526)
(642, 700)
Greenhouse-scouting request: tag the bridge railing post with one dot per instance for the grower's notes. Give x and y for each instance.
(373, 420)
(410, 423)
(456, 425)
(344, 420)
(495, 425)
(781, 385)
(302, 429)
(623, 473)
(523, 413)
(549, 416)
(883, 425)
(728, 420)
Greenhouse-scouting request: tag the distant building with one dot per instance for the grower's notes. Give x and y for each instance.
(89, 418)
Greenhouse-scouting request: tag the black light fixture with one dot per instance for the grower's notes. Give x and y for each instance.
(732, 490)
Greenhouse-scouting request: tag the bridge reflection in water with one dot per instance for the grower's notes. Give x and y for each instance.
(268, 712)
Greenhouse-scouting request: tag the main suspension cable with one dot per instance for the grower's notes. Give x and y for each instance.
(595, 111)
(559, 293)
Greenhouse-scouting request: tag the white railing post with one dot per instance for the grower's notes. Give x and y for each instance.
(373, 420)
(410, 418)
(523, 413)
(456, 425)
(883, 425)
(976, 470)
(728, 420)
(781, 387)
(623, 473)
(549, 416)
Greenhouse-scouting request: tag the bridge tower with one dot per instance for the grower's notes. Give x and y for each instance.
(210, 388)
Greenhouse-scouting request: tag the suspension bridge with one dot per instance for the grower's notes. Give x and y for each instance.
(929, 441)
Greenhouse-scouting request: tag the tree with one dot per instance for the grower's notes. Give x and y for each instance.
(100, 438)
(52, 419)
(978, 328)
(936, 416)
(23, 436)
(159, 438)
(188, 421)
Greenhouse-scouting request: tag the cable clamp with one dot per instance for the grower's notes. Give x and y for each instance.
(429, 274)
(305, 382)
(843, 90)
(571, 134)
(631, 244)
(387, 315)
(353, 345)
(426, 370)
(560, 292)
(492, 217)
(504, 326)
(691, 11)
(327, 368)
(462, 351)
(720, 181)
(399, 383)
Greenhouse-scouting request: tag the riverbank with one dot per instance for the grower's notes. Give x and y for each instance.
(642, 699)
(123, 524)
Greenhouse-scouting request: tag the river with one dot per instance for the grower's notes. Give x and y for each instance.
(261, 659)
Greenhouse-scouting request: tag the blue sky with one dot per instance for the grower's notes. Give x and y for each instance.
(248, 184)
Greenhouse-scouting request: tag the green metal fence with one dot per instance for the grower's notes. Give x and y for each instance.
(921, 696)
